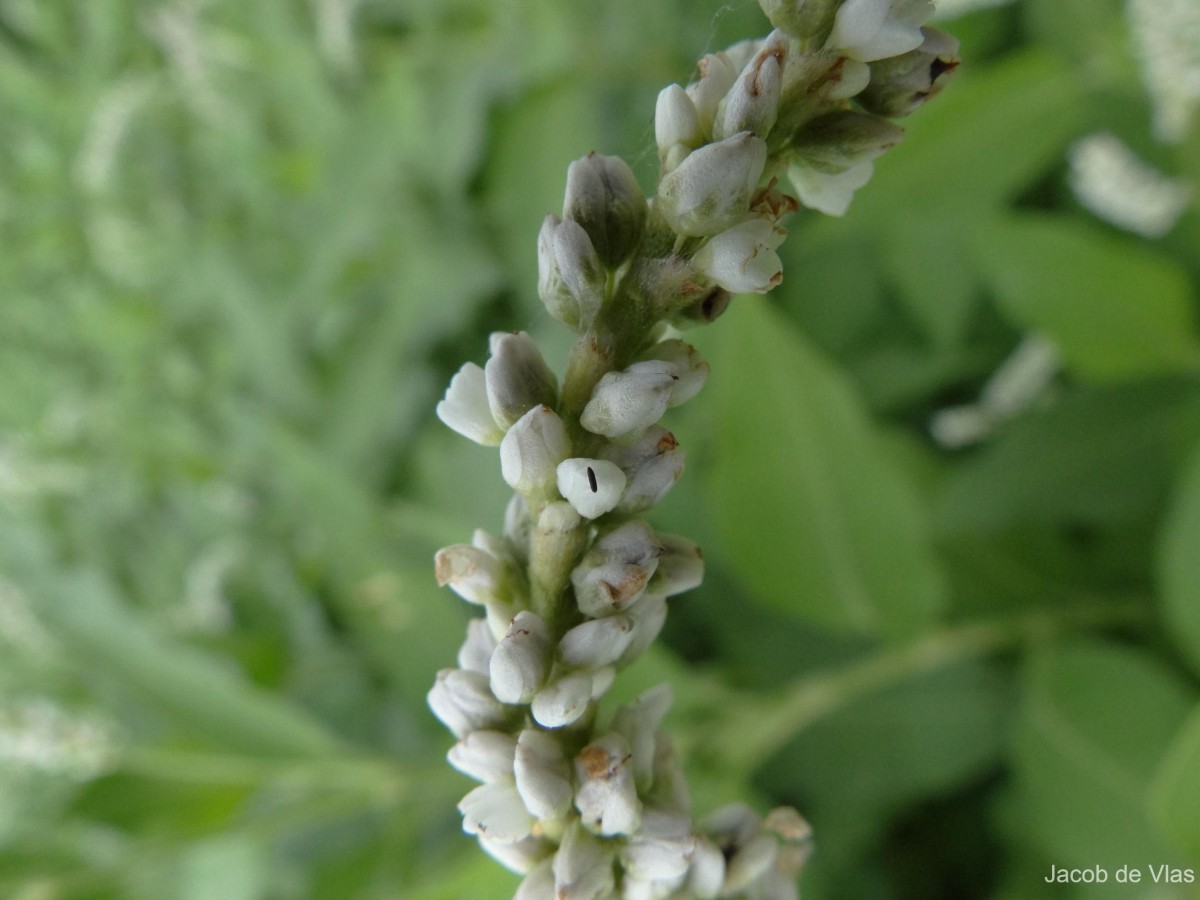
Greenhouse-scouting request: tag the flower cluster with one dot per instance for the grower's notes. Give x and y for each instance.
(590, 804)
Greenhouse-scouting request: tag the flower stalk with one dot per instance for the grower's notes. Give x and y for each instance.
(588, 805)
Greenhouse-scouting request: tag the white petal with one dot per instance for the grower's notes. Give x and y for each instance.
(829, 193)
(465, 407)
(496, 810)
(592, 486)
(597, 642)
(484, 755)
(562, 702)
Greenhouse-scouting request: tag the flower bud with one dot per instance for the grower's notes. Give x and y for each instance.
(521, 857)
(841, 140)
(652, 465)
(680, 568)
(517, 378)
(570, 277)
(486, 756)
(742, 259)
(707, 872)
(662, 847)
(901, 84)
(465, 407)
(602, 680)
(809, 21)
(606, 798)
(826, 192)
(521, 661)
(464, 702)
(563, 701)
(538, 884)
(717, 75)
(649, 615)
(583, 867)
(712, 188)
(684, 362)
(474, 574)
(638, 722)
(475, 655)
(596, 642)
(625, 404)
(604, 197)
(592, 486)
(868, 30)
(614, 573)
(676, 123)
(531, 451)
(752, 104)
(543, 776)
(751, 862)
(496, 810)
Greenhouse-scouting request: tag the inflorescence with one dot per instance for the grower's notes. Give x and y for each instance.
(588, 805)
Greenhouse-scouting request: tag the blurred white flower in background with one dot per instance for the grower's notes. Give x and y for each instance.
(1167, 40)
(1110, 180)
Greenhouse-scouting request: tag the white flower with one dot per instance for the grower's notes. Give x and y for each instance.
(607, 798)
(742, 259)
(476, 652)
(464, 702)
(625, 404)
(517, 377)
(752, 104)
(583, 867)
(471, 572)
(542, 774)
(676, 123)
(717, 75)
(592, 486)
(826, 192)
(712, 188)
(868, 30)
(496, 810)
(465, 407)
(683, 361)
(597, 642)
(519, 665)
(531, 451)
(662, 847)
(486, 756)
(563, 701)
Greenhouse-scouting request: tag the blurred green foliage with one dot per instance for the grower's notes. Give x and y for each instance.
(245, 244)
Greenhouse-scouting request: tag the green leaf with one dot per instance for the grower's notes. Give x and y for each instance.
(192, 688)
(1175, 794)
(1116, 310)
(869, 760)
(1179, 565)
(1095, 721)
(927, 261)
(810, 511)
(1097, 455)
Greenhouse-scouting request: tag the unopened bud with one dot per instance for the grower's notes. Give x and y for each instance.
(465, 407)
(684, 362)
(464, 702)
(840, 140)
(486, 756)
(474, 574)
(652, 465)
(475, 655)
(592, 486)
(520, 662)
(649, 615)
(583, 867)
(614, 573)
(517, 377)
(607, 798)
(521, 857)
(680, 568)
(542, 774)
(570, 277)
(752, 104)
(807, 20)
(662, 848)
(496, 810)
(676, 124)
(707, 872)
(538, 884)
(563, 701)
(638, 722)
(711, 189)
(717, 75)
(596, 642)
(902, 84)
(751, 862)
(625, 404)
(742, 259)
(604, 197)
(531, 451)
(868, 30)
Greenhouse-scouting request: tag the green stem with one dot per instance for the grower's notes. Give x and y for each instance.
(750, 730)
